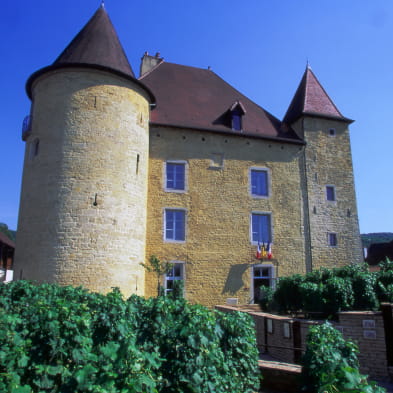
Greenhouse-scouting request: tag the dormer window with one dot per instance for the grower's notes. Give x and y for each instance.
(237, 112)
(236, 121)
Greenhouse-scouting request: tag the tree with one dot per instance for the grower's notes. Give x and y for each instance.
(158, 267)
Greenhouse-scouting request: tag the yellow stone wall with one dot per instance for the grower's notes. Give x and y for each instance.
(329, 162)
(218, 253)
(82, 217)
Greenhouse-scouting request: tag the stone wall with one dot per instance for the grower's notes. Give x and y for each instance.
(82, 217)
(329, 162)
(218, 252)
(365, 328)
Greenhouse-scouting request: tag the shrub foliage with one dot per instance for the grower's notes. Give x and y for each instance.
(325, 292)
(330, 364)
(64, 339)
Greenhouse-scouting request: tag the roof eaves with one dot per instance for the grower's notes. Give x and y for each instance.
(6, 240)
(55, 67)
(233, 133)
(326, 116)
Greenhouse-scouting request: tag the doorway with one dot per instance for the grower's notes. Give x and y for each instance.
(262, 276)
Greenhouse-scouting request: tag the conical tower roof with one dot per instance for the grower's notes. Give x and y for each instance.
(311, 99)
(97, 44)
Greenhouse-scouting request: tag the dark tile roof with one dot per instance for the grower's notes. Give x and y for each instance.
(311, 99)
(198, 98)
(97, 44)
(6, 240)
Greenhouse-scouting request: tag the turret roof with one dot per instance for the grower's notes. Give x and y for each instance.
(311, 99)
(97, 44)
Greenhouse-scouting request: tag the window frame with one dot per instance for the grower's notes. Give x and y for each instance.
(175, 162)
(174, 240)
(332, 132)
(261, 213)
(34, 149)
(330, 236)
(333, 188)
(268, 185)
(173, 278)
(271, 277)
(236, 120)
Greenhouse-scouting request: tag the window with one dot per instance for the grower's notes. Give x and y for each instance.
(330, 193)
(332, 239)
(259, 182)
(332, 131)
(175, 176)
(261, 228)
(236, 120)
(263, 276)
(175, 225)
(236, 113)
(34, 148)
(176, 273)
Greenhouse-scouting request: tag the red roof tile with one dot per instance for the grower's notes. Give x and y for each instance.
(198, 98)
(311, 99)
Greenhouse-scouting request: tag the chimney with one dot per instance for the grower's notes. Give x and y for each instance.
(149, 62)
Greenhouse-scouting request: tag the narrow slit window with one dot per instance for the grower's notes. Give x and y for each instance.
(332, 239)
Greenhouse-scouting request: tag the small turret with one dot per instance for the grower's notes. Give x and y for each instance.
(328, 184)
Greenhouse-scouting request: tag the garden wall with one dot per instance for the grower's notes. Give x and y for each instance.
(284, 338)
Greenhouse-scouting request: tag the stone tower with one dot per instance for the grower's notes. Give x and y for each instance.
(328, 184)
(82, 218)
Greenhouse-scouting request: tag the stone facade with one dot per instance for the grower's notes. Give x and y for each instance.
(328, 162)
(82, 217)
(218, 253)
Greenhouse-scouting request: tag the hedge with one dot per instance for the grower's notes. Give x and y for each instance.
(64, 339)
(325, 292)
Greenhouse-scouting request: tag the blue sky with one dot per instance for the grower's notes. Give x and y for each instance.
(259, 46)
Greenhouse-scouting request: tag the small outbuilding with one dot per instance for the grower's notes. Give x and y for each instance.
(7, 250)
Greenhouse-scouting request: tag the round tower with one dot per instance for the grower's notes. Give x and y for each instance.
(82, 218)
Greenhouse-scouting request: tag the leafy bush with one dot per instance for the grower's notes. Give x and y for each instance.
(311, 295)
(63, 339)
(287, 295)
(364, 289)
(327, 291)
(338, 295)
(266, 298)
(330, 364)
